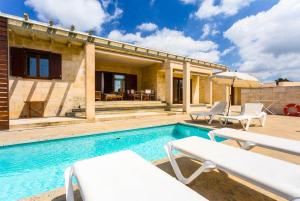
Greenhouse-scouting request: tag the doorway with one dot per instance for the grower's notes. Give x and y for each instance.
(178, 90)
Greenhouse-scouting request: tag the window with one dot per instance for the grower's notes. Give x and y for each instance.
(119, 83)
(37, 65)
(31, 63)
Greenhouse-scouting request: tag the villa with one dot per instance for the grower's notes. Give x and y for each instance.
(52, 72)
(47, 71)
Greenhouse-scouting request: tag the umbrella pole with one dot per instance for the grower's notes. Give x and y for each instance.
(230, 94)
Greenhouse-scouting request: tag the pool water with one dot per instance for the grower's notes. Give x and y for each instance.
(33, 168)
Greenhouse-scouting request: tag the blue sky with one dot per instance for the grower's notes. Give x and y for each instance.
(254, 36)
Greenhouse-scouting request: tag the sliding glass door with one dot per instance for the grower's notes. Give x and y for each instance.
(119, 83)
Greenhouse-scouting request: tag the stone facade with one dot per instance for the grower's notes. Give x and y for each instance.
(280, 95)
(60, 96)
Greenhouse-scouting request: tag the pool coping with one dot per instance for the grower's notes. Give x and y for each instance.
(100, 133)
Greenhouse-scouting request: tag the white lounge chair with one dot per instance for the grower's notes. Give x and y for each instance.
(279, 177)
(125, 176)
(249, 112)
(217, 109)
(248, 140)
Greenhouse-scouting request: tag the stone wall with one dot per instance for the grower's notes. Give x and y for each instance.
(219, 92)
(60, 96)
(281, 96)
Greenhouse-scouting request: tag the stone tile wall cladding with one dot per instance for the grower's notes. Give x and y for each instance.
(281, 95)
(60, 95)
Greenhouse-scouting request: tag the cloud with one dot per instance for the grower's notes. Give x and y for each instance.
(188, 1)
(209, 29)
(84, 14)
(210, 8)
(172, 41)
(228, 51)
(147, 27)
(268, 42)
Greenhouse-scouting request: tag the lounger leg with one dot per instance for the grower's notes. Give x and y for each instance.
(263, 119)
(242, 123)
(193, 117)
(247, 145)
(211, 135)
(211, 118)
(248, 124)
(69, 184)
(206, 166)
(225, 122)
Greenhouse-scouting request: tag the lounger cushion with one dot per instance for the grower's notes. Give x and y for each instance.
(281, 144)
(128, 177)
(275, 175)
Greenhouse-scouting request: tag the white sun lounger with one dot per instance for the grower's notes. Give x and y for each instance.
(217, 109)
(249, 112)
(125, 176)
(279, 177)
(248, 140)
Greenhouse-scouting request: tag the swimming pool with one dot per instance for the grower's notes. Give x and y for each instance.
(32, 168)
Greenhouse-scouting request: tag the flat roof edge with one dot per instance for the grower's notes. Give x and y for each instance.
(123, 45)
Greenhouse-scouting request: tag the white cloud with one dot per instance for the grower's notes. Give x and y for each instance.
(188, 1)
(147, 27)
(84, 14)
(268, 42)
(209, 8)
(172, 41)
(227, 51)
(209, 29)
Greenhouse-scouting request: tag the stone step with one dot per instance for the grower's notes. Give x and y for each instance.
(110, 112)
(116, 107)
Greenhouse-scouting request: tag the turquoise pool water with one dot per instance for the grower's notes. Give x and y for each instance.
(29, 169)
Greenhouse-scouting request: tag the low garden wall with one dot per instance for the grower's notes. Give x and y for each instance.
(280, 96)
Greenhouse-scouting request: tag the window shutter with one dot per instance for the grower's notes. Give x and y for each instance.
(17, 61)
(55, 66)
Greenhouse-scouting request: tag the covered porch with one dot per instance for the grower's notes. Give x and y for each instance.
(121, 77)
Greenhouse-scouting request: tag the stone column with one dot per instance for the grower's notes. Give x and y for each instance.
(169, 82)
(195, 89)
(186, 86)
(90, 81)
(227, 93)
(210, 92)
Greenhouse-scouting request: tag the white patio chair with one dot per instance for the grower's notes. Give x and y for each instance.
(124, 176)
(279, 177)
(217, 109)
(249, 112)
(248, 140)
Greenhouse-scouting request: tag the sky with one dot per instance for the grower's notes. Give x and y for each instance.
(259, 37)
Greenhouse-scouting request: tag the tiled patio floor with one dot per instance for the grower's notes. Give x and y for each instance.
(214, 186)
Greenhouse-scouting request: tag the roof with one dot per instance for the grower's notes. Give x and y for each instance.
(38, 27)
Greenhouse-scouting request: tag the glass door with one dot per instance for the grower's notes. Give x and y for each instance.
(119, 83)
(177, 90)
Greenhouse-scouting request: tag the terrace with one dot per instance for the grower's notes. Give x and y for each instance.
(214, 186)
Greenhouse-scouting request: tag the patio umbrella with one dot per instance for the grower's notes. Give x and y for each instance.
(235, 79)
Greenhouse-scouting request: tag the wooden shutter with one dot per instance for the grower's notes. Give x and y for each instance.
(17, 61)
(4, 100)
(55, 66)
